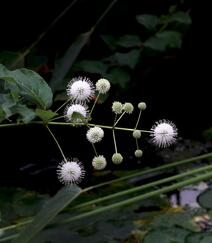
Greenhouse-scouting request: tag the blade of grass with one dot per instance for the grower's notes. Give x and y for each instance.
(139, 198)
(142, 187)
(73, 51)
(53, 206)
(163, 167)
(147, 171)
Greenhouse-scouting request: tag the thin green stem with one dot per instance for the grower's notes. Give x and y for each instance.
(148, 171)
(119, 118)
(113, 132)
(94, 149)
(10, 237)
(105, 12)
(66, 102)
(94, 104)
(140, 197)
(73, 124)
(13, 226)
(139, 116)
(142, 187)
(119, 128)
(58, 145)
(58, 117)
(114, 140)
(136, 141)
(169, 166)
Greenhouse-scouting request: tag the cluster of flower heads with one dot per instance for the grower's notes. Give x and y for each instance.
(80, 91)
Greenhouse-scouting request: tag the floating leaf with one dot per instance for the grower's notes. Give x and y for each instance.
(205, 199)
(172, 235)
(181, 219)
(164, 40)
(129, 41)
(48, 212)
(147, 20)
(18, 204)
(30, 85)
(205, 237)
(45, 115)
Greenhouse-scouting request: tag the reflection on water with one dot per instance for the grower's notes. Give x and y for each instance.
(187, 196)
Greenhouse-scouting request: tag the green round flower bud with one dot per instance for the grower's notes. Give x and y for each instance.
(103, 86)
(99, 162)
(138, 153)
(128, 107)
(117, 107)
(142, 106)
(137, 134)
(117, 158)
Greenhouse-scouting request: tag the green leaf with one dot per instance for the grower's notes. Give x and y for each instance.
(118, 76)
(172, 235)
(206, 239)
(26, 113)
(18, 204)
(8, 57)
(164, 40)
(110, 41)
(7, 101)
(180, 219)
(147, 20)
(2, 114)
(194, 237)
(30, 85)
(181, 18)
(91, 66)
(129, 59)
(48, 212)
(68, 59)
(207, 134)
(45, 115)
(129, 41)
(205, 199)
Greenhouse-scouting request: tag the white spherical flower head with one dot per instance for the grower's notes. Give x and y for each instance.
(95, 134)
(138, 153)
(80, 89)
(117, 107)
(142, 106)
(117, 158)
(137, 134)
(81, 109)
(70, 172)
(99, 162)
(103, 86)
(128, 108)
(164, 133)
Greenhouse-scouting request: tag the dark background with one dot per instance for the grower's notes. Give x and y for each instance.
(176, 87)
